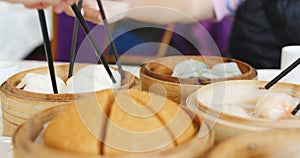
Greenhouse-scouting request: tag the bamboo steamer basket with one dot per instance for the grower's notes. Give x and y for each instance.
(239, 93)
(156, 76)
(268, 144)
(26, 145)
(18, 105)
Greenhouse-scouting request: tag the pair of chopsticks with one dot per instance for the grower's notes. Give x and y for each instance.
(48, 50)
(74, 43)
(80, 19)
(280, 76)
(86, 29)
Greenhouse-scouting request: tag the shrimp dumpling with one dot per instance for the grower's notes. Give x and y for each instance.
(275, 105)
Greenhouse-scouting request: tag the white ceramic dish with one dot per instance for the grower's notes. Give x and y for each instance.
(6, 147)
(7, 69)
(267, 74)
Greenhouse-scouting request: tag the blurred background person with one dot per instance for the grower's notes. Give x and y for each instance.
(219, 31)
(21, 36)
(20, 32)
(261, 27)
(219, 28)
(59, 5)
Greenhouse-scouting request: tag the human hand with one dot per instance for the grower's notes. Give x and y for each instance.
(59, 5)
(114, 10)
(154, 11)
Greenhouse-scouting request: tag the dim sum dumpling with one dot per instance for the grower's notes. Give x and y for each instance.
(235, 111)
(41, 83)
(196, 69)
(226, 70)
(274, 105)
(92, 78)
(189, 69)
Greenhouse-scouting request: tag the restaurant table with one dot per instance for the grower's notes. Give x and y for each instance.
(8, 68)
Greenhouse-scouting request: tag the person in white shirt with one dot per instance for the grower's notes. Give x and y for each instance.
(20, 31)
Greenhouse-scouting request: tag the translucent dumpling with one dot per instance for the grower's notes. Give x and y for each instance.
(196, 69)
(274, 105)
(226, 70)
(233, 110)
(189, 69)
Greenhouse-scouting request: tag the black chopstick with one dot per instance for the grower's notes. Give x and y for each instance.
(74, 43)
(112, 43)
(92, 40)
(282, 74)
(297, 108)
(47, 47)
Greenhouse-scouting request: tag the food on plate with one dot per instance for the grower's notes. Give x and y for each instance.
(270, 105)
(88, 79)
(92, 78)
(41, 83)
(189, 68)
(128, 122)
(196, 69)
(236, 111)
(226, 70)
(275, 105)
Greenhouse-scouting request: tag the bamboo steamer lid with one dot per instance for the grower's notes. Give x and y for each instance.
(268, 144)
(156, 76)
(18, 105)
(72, 134)
(243, 93)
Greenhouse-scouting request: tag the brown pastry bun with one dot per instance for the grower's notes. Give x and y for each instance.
(120, 122)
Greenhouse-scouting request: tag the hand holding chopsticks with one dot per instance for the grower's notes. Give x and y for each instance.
(92, 40)
(48, 50)
(112, 44)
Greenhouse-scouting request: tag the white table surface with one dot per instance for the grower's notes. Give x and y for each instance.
(5, 142)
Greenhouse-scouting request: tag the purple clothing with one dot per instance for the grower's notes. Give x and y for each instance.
(65, 34)
(225, 7)
(219, 31)
(216, 32)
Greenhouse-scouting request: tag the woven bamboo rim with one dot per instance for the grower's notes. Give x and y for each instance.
(163, 68)
(228, 125)
(26, 147)
(18, 105)
(158, 72)
(275, 144)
